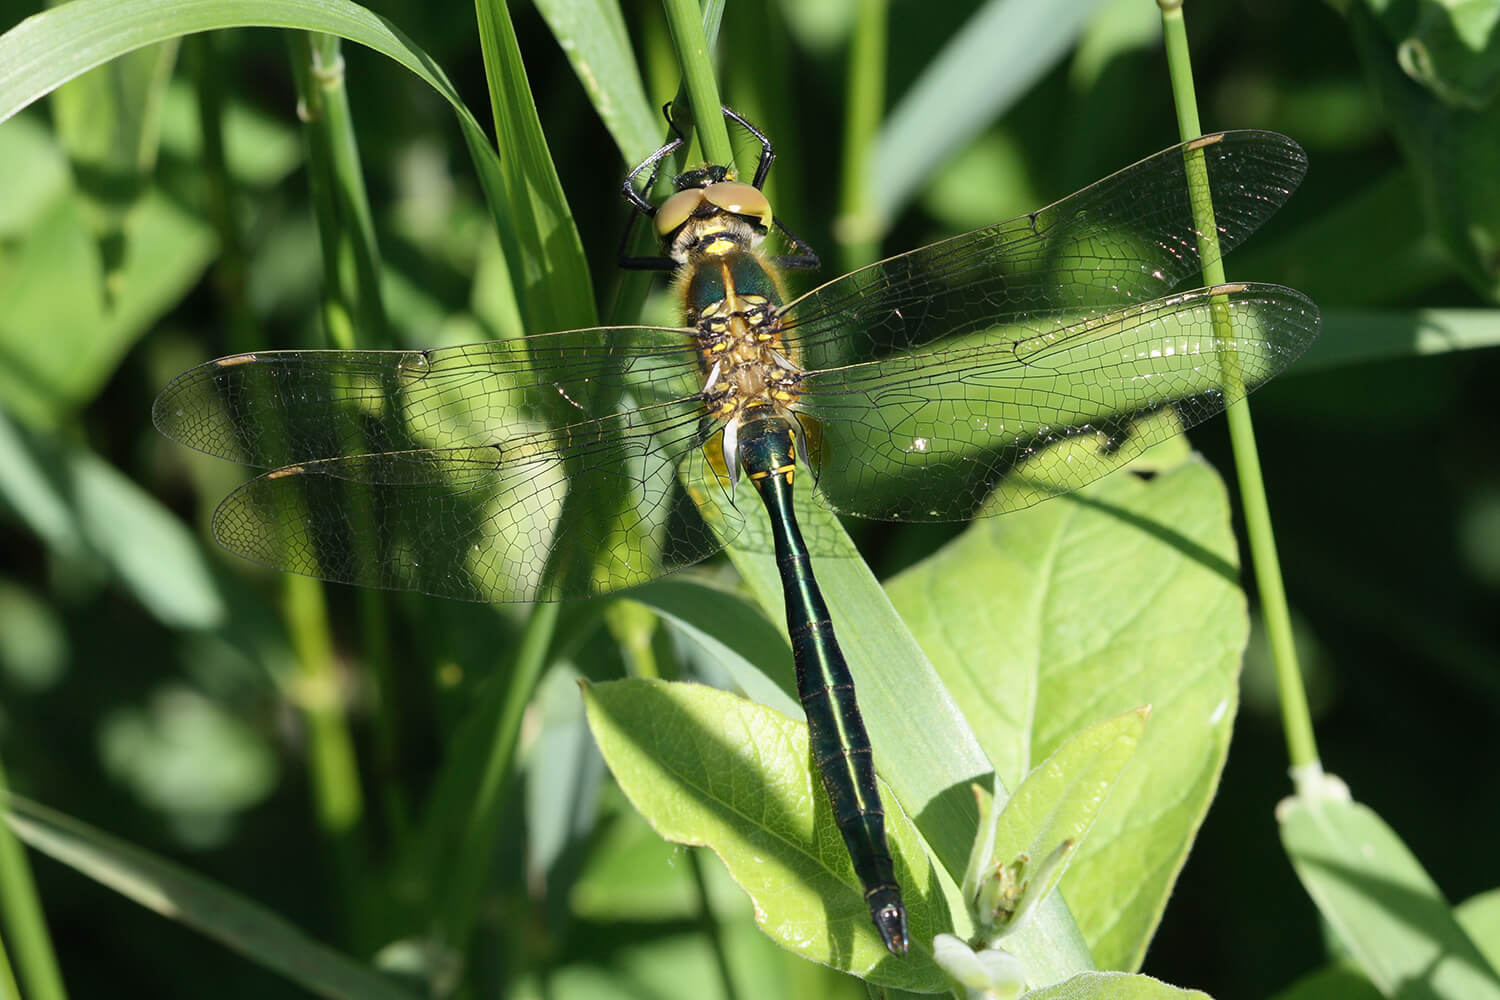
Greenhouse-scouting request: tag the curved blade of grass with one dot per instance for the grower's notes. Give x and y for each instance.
(524, 195)
(999, 55)
(226, 916)
(593, 37)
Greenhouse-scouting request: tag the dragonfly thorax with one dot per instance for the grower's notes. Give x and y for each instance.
(734, 302)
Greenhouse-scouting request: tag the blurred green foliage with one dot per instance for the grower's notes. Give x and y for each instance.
(147, 684)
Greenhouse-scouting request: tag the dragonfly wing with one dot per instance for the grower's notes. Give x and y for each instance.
(277, 408)
(576, 512)
(1130, 237)
(996, 422)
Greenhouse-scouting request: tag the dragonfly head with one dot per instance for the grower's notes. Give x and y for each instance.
(713, 218)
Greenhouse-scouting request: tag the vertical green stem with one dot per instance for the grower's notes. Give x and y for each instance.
(23, 919)
(864, 104)
(1296, 719)
(354, 314)
(351, 256)
(469, 874)
(685, 21)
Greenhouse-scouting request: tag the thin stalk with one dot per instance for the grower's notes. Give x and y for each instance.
(8, 985)
(353, 306)
(713, 926)
(24, 920)
(354, 315)
(469, 874)
(231, 268)
(335, 773)
(1296, 719)
(864, 104)
(686, 23)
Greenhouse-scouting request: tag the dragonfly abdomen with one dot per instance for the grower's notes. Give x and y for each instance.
(839, 744)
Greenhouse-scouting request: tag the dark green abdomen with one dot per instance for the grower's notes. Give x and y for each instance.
(839, 744)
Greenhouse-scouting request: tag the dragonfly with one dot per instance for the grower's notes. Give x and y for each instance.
(975, 376)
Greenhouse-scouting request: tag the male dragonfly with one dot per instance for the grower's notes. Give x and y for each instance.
(978, 375)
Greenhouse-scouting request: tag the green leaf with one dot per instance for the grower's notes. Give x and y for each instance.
(1112, 986)
(541, 243)
(707, 768)
(1381, 902)
(1448, 129)
(1479, 916)
(82, 506)
(1048, 620)
(229, 918)
(108, 121)
(61, 316)
(1062, 797)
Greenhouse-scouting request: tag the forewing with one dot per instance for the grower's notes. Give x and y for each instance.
(999, 421)
(1128, 238)
(277, 408)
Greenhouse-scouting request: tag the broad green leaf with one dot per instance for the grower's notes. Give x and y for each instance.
(1381, 902)
(1353, 337)
(1062, 797)
(1479, 916)
(1045, 621)
(177, 894)
(1113, 986)
(707, 768)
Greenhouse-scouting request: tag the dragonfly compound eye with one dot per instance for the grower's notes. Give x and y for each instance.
(741, 199)
(676, 211)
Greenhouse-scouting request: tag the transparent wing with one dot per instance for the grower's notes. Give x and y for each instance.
(276, 408)
(577, 512)
(1127, 238)
(998, 422)
(541, 468)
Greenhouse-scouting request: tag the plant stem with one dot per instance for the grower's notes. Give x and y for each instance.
(686, 23)
(1296, 718)
(470, 871)
(864, 104)
(352, 303)
(24, 919)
